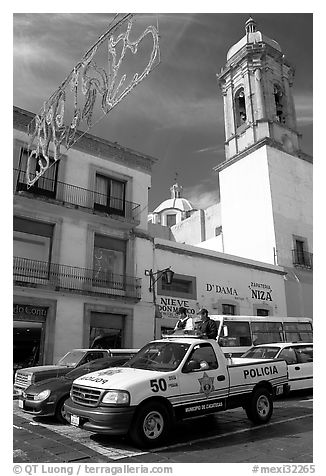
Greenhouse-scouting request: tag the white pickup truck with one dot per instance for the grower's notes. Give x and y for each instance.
(172, 379)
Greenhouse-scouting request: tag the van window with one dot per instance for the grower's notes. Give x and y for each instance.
(238, 334)
(297, 331)
(265, 332)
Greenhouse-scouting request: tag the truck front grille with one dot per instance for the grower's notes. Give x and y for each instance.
(85, 396)
(21, 380)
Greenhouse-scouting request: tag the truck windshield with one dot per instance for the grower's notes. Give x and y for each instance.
(163, 356)
(71, 359)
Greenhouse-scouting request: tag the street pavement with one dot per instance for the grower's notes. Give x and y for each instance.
(227, 437)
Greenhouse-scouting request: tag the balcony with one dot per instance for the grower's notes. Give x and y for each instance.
(80, 198)
(58, 277)
(302, 259)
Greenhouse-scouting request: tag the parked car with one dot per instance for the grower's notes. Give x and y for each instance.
(46, 398)
(74, 358)
(298, 356)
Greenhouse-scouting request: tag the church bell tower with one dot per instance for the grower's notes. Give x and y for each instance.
(266, 180)
(256, 85)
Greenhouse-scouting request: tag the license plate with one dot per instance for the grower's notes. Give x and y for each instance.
(74, 420)
(20, 403)
(279, 390)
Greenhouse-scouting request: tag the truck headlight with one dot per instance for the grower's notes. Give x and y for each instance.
(42, 396)
(116, 397)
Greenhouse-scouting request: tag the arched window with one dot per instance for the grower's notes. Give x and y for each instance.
(279, 103)
(240, 107)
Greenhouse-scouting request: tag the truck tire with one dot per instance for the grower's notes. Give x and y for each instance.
(151, 425)
(260, 407)
(60, 411)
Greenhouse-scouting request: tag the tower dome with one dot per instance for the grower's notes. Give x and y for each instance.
(252, 36)
(174, 209)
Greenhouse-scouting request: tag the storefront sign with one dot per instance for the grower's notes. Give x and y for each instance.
(261, 292)
(217, 288)
(168, 307)
(29, 312)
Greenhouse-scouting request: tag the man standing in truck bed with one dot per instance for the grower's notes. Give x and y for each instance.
(206, 326)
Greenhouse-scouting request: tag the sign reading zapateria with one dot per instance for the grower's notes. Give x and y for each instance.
(262, 292)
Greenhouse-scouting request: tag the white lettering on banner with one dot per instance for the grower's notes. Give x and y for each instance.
(221, 289)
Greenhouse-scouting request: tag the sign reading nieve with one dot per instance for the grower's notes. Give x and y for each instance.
(168, 307)
(28, 311)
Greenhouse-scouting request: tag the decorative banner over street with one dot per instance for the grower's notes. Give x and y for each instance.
(103, 77)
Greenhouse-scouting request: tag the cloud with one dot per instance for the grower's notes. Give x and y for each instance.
(304, 108)
(200, 197)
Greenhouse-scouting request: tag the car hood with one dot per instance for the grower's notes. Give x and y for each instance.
(120, 378)
(45, 368)
(48, 384)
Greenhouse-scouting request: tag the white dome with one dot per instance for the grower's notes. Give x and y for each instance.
(252, 36)
(181, 204)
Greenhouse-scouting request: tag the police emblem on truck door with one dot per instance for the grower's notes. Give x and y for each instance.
(206, 384)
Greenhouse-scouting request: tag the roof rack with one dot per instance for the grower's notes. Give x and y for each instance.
(180, 333)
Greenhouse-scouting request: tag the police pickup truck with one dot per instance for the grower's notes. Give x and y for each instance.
(173, 379)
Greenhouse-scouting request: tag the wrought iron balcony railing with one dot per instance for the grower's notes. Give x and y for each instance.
(88, 200)
(59, 277)
(302, 258)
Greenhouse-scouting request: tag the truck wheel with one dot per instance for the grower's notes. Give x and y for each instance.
(60, 411)
(260, 407)
(150, 425)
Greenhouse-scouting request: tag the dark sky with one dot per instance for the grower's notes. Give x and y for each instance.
(176, 113)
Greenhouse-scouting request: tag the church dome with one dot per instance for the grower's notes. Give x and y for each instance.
(181, 204)
(252, 36)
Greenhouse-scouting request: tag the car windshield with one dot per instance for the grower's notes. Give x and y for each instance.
(163, 356)
(261, 353)
(72, 358)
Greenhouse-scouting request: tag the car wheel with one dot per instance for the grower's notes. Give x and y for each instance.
(151, 425)
(60, 411)
(260, 407)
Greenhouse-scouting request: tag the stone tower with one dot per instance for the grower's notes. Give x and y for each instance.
(256, 84)
(266, 180)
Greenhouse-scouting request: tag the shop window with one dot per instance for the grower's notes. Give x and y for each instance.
(240, 107)
(278, 97)
(109, 262)
(106, 331)
(181, 286)
(110, 195)
(46, 185)
(228, 309)
(262, 312)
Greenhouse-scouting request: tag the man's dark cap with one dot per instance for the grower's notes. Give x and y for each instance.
(182, 310)
(203, 311)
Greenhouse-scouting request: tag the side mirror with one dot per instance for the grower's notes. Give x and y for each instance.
(190, 366)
